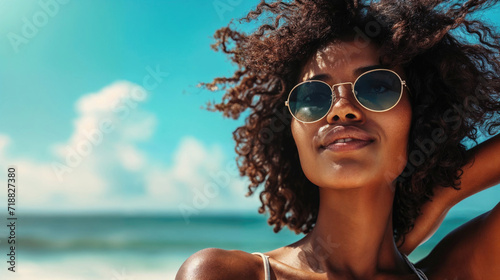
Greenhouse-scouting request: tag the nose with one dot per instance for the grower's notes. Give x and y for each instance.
(345, 107)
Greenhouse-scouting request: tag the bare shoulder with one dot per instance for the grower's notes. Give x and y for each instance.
(472, 251)
(213, 263)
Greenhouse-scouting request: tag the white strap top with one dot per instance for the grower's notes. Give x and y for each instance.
(267, 269)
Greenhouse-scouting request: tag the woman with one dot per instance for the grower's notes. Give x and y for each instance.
(358, 112)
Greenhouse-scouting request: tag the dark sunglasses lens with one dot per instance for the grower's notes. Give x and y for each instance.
(310, 101)
(378, 90)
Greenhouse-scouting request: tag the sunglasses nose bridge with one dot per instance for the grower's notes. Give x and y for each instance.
(338, 85)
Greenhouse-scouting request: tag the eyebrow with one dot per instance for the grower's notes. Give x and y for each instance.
(357, 72)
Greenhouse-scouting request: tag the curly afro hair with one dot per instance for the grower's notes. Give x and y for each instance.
(451, 63)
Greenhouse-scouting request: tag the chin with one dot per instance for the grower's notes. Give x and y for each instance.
(343, 182)
(352, 179)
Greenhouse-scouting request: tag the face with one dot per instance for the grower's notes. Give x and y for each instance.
(374, 150)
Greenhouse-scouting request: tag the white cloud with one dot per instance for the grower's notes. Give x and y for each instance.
(40, 187)
(101, 166)
(108, 97)
(201, 179)
(112, 114)
(131, 158)
(85, 168)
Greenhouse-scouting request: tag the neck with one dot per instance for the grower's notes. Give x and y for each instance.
(353, 234)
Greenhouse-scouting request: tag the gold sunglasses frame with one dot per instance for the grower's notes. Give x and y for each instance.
(332, 87)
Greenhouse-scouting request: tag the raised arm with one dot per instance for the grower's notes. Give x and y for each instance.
(482, 172)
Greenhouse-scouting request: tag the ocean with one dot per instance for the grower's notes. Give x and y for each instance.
(133, 247)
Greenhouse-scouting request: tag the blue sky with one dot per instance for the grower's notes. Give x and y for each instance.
(128, 70)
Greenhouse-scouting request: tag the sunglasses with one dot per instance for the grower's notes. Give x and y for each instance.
(376, 90)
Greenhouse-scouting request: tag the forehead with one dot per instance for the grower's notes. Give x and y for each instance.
(340, 59)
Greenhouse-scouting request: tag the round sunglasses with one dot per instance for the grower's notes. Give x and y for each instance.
(377, 90)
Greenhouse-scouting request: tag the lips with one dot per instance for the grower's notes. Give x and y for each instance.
(345, 138)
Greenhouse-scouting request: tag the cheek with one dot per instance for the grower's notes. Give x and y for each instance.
(303, 136)
(299, 137)
(397, 139)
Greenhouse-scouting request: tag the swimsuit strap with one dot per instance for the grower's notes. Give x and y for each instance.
(267, 269)
(417, 271)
